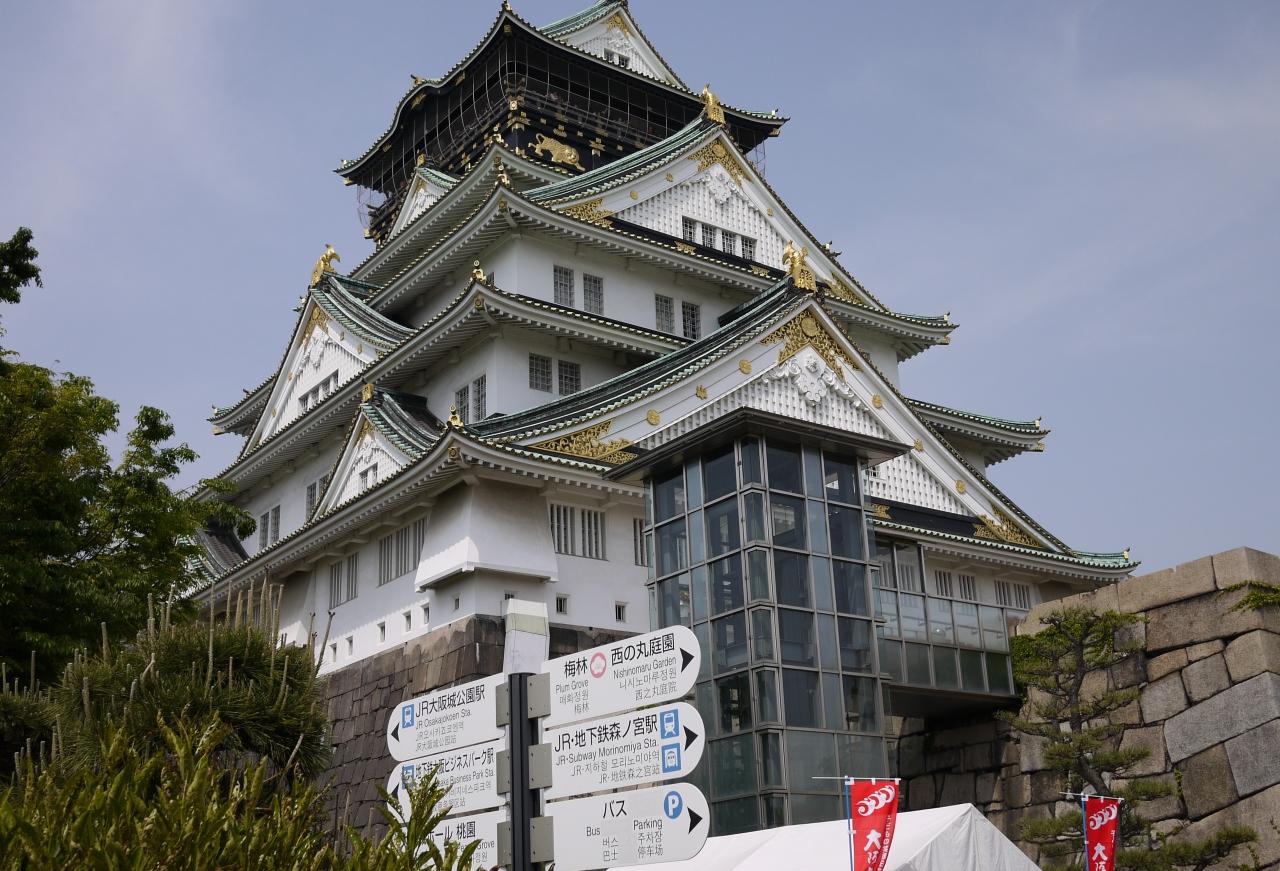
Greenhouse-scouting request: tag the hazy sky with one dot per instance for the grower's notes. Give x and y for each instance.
(1091, 189)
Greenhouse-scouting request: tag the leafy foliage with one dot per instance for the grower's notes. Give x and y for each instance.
(1257, 595)
(1071, 708)
(18, 266)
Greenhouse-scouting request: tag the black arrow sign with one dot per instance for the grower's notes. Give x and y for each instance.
(685, 658)
(689, 737)
(395, 791)
(694, 819)
(395, 731)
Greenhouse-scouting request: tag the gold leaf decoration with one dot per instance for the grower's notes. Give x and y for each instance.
(653, 417)
(879, 511)
(807, 331)
(588, 443)
(744, 366)
(686, 248)
(318, 319)
(1002, 528)
(960, 487)
(591, 212)
(715, 152)
(700, 392)
(837, 289)
(617, 22)
(760, 270)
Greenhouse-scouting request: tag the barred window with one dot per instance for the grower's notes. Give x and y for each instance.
(620, 612)
(639, 552)
(269, 527)
(593, 294)
(562, 284)
(398, 553)
(664, 308)
(343, 570)
(353, 563)
(968, 587)
(690, 227)
(748, 248)
(570, 377)
(728, 242)
(942, 585)
(539, 372)
(691, 319)
(564, 524)
(1013, 595)
(562, 604)
(462, 402)
(479, 398)
(708, 236)
(369, 477)
(314, 491)
(592, 534)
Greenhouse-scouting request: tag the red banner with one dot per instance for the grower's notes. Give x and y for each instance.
(1101, 821)
(873, 804)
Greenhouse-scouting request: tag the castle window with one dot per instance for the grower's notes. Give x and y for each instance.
(639, 552)
(592, 534)
(593, 294)
(664, 308)
(570, 377)
(564, 523)
(314, 491)
(728, 242)
(748, 248)
(620, 612)
(1012, 595)
(479, 398)
(691, 319)
(340, 572)
(398, 553)
(539, 372)
(968, 587)
(562, 285)
(562, 604)
(690, 229)
(269, 527)
(462, 402)
(708, 236)
(369, 477)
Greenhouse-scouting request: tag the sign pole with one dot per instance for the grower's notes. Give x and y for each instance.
(523, 799)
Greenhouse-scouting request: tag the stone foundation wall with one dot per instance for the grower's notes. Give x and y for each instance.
(1209, 713)
(361, 698)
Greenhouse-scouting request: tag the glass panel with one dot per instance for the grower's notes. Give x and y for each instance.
(841, 479)
(753, 506)
(771, 759)
(945, 672)
(730, 642)
(811, 759)
(860, 704)
(751, 462)
(786, 516)
(648, 556)
(887, 609)
(796, 641)
(911, 610)
(648, 503)
(669, 495)
(722, 527)
(855, 644)
(767, 695)
(703, 633)
(891, 659)
(762, 633)
(860, 756)
(884, 556)
(758, 574)
(918, 664)
(815, 808)
(940, 631)
(706, 699)
(800, 697)
(697, 543)
(653, 607)
(998, 673)
(783, 461)
(734, 693)
(791, 578)
(693, 477)
(909, 573)
(813, 484)
(971, 670)
(672, 556)
(733, 765)
(719, 473)
(673, 601)
(701, 608)
(846, 531)
(832, 702)
(993, 629)
(773, 808)
(829, 648)
(733, 817)
(817, 526)
(821, 570)
(851, 588)
(967, 624)
(726, 584)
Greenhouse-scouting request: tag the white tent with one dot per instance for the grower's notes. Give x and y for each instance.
(955, 838)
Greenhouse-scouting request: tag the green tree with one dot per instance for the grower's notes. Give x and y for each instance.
(1074, 714)
(84, 541)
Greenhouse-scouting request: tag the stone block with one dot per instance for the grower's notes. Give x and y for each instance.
(1255, 759)
(1181, 582)
(1206, 782)
(1095, 684)
(1183, 624)
(943, 760)
(1134, 635)
(1256, 812)
(1128, 715)
(1017, 792)
(1245, 564)
(959, 736)
(1129, 672)
(979, 757)
(911, 755)
(1150, 739)
(1046, 786)
(1163, 698)
(1197, 652)
(921, 793)
(989, 788)
(1226, 715)
(1032, 756)
(1165, 663)
(957, 789)
(1168, 807)
(1205, 678)
(1252, 654)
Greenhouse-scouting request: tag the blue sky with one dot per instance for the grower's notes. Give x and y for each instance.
(1091, 189)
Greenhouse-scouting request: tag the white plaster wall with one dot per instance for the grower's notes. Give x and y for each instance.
(288, 489)
(323, 351)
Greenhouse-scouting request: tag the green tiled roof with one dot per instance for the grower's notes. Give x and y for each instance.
(353, 313)
(1022, 427)
(1109, 561)
(403, 419)
(581, 19)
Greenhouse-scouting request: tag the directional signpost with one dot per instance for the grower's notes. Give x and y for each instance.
(469, 773)
(449, 718)
(653, 745)
(476, 827)
(660, 824)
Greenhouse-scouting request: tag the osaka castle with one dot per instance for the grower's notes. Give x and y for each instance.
(593, 359)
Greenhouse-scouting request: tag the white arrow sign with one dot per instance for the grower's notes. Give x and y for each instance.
(649, 746)
(660, 824)
(448, 718)
(476, 827)
(637, 671)
(469, 773)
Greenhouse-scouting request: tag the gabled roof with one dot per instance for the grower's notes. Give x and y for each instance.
(999, 438)
(403, 419)
(608, 8)
(240, 417)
